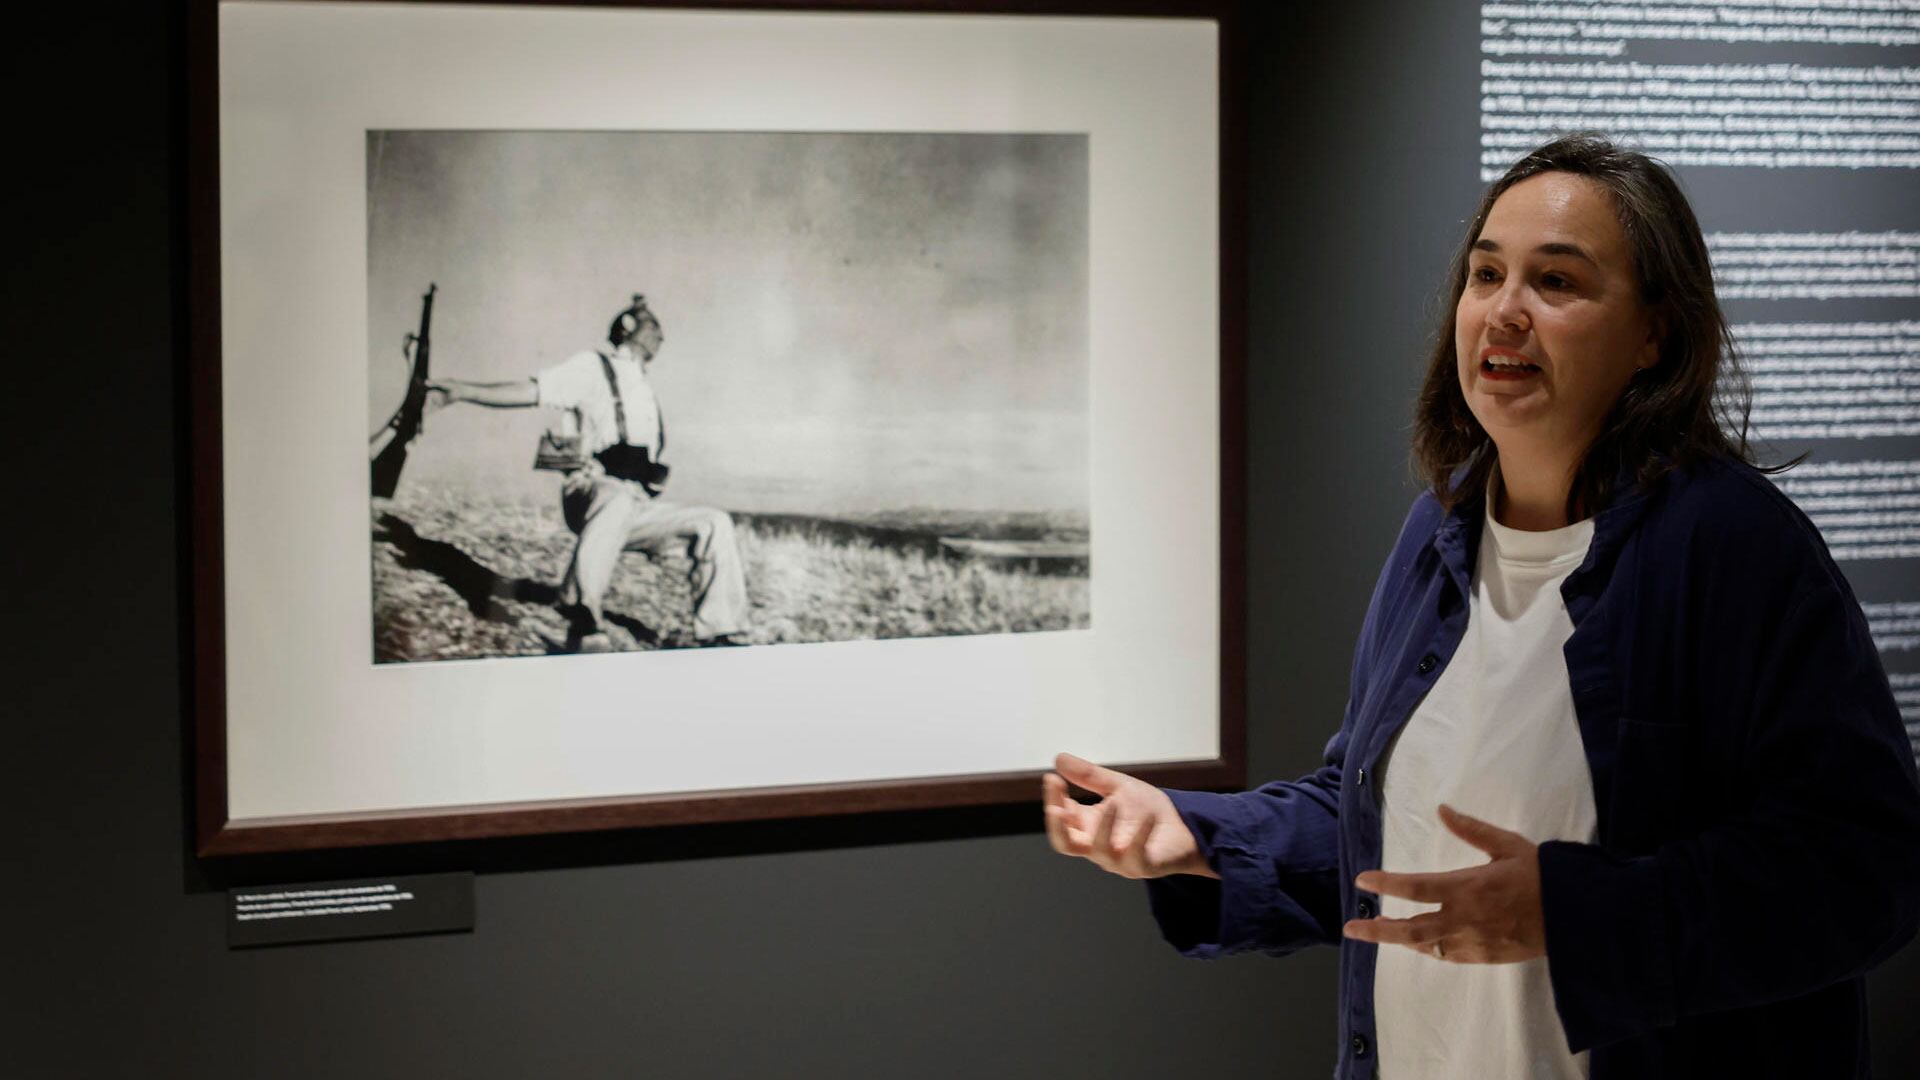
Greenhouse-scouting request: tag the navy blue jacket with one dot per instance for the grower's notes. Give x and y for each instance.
(1759, 815)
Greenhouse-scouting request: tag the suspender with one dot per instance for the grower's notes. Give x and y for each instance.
(620, 409)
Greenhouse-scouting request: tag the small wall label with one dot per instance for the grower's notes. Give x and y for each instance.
(344, 910)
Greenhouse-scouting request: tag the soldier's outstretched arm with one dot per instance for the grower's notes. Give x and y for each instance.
(512, 394)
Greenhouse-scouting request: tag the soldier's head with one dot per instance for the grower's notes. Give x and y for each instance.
(638, 328)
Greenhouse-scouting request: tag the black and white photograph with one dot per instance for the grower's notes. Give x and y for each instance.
(737, 401)
(636, 390)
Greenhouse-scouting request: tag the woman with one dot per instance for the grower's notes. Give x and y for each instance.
(1621, 789)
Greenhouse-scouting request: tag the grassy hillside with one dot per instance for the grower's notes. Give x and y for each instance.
(460, 576)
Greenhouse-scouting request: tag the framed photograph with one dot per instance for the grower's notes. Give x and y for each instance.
(622, 415)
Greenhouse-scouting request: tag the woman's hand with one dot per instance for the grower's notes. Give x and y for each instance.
(1488, 914)
(1133, 830)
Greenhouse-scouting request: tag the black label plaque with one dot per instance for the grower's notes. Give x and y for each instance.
(344, 910)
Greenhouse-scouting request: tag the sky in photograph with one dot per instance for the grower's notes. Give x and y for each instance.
(853, 322)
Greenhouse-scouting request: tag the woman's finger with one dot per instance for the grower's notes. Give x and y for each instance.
(1124, 829)
(1101, 781)
(1101, 845)
(1416, 932)
(1066, 835)
(1071, 819)
(1134, 858)
(1053, 792)
(1434, 888)
(1484, 835)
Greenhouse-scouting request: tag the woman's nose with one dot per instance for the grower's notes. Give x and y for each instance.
(1509, 308)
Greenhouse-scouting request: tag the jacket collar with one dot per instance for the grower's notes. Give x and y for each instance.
(1457, 540)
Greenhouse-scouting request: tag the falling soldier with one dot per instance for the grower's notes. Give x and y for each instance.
(607, 446)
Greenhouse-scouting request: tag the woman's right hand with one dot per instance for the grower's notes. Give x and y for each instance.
(1133, 830)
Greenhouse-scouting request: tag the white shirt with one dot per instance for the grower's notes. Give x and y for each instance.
(578, 385)
(1496, 737)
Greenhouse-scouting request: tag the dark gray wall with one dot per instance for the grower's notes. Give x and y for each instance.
(945, 944)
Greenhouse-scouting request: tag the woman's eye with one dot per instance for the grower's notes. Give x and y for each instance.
(1555, 281)
(1485, 273)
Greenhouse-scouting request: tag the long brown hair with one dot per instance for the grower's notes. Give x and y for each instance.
(1693, 404)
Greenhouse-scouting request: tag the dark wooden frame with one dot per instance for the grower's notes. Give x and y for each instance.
(217, 835)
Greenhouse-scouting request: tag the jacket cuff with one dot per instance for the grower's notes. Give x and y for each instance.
(1608, 957)
(1203, 918)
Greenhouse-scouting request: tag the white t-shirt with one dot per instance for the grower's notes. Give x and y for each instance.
(1496, 738)
(579, 385)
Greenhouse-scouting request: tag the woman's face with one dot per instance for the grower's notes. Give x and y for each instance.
(1550, 286)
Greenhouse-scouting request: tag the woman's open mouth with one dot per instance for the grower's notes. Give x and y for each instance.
(1507, 367)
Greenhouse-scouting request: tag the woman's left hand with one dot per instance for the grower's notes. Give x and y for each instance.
(1488, 914)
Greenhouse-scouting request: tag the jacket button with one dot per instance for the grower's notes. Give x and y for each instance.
(1360, 777)
(1427, 662)
(1359, 1045)
(1364, 910)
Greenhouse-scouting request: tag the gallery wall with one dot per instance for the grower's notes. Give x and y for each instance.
(949, 944)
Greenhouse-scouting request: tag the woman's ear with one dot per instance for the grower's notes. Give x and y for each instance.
(1649, 352)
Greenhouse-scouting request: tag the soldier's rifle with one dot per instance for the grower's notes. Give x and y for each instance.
(408, 420)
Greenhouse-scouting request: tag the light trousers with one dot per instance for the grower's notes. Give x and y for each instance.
(612, 516)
